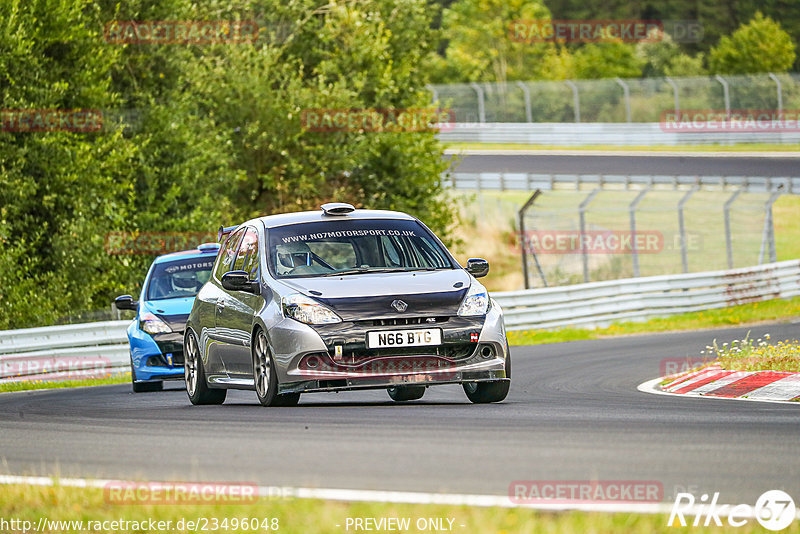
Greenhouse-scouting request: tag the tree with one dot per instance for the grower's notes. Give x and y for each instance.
(756, 47)
(60, 191)
(661, 56)
(482, 45)
(607, 60)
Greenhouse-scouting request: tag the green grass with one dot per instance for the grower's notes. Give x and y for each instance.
(121, 378)
(315, 516)
(770, 310)
(757, 354)
(755, 147)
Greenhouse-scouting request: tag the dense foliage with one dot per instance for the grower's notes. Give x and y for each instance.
(195, 135)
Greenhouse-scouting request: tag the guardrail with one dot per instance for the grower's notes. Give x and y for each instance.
(603, 133)
(601, 303)
(522, 181)
(67, 351)
(46, 352)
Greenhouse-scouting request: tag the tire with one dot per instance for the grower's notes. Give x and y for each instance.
(144, 387)
(406, 393)
(485, 392)
(265, 379)
(195, 375)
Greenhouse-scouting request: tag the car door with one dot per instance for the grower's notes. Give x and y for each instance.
(236, 316)
(219, 338)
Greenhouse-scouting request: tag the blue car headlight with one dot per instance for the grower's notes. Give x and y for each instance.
(151, 324)
(476, 302)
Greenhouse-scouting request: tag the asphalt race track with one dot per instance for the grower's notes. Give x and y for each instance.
(573, 414)
(644, 164)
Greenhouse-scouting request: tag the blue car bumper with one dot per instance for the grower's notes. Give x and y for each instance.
(155, 358)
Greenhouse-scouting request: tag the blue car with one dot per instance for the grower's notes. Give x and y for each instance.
(156, 334)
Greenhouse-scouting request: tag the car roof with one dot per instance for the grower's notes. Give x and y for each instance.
(186, 255)
(283, 219)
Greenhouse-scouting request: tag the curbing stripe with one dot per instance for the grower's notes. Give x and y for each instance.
(750, 382)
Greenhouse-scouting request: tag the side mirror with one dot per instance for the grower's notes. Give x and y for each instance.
(240, 281)
(126, 302)
(477, 267)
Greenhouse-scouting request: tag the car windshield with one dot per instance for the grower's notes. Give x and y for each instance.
(353, 246)
(179, 278)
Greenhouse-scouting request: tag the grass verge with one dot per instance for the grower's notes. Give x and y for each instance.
(755, 147)
(770, 310)
(757, 355)
(30, 503)
(121, 378)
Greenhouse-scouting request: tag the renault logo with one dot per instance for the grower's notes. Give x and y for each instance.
(399, 305)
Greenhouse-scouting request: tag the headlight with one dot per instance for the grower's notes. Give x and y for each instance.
(153, 325)
(476, 302)
(307, 310)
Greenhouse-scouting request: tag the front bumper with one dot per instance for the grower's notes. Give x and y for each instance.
(472, 350)
(156, 357)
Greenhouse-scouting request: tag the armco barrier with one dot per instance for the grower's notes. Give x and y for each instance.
(632, 299)
(593, 304)
(601, 133)
(51, 350)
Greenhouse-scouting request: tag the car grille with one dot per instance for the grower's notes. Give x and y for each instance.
(403, 321)
(451, 351)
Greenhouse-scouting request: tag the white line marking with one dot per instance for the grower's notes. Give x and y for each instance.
(404, 497)
(651, 386)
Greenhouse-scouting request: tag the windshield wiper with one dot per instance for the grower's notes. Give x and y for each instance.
(381, 270)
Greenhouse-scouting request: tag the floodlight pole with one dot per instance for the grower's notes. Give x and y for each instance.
(727, 215)
(768, 234)
(582, 216)
(632, 215)
(525, 244)
(682, 228)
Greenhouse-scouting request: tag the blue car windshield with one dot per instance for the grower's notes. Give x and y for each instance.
(179, 278)
(354, 246)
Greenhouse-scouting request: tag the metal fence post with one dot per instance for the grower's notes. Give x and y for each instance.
(627, 92)
(582, 217)
(682, 228)
(676, 95)
(433, 91)
(727, 215)
(632, 216)
(576, 101)
(481, 109)
(780, 93)
(524, 241)
(526, 90)
(726, 94)
(768, 234)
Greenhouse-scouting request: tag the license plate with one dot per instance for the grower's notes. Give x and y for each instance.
(404, 338)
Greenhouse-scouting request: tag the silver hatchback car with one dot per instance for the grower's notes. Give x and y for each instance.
(342, 299)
